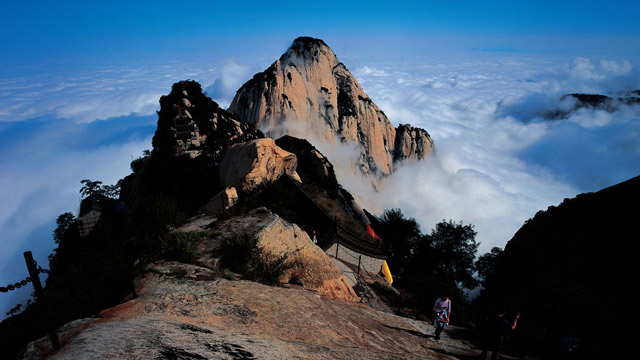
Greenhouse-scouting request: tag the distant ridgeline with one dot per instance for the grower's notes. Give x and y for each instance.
(595, 102)
(572, 272)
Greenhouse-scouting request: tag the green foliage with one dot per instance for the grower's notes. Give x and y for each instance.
(95, 187)
(166, 213)
(180, 246)
(226, 273)
(138, 163)
(455, 247)
(243, 255)
(14, 310)
(86, 276)
(238, 254)
(401, 237)
(486, 263)
(64, 222)
(112, 191)
(429, 266)
(269, 268)
(90, 187)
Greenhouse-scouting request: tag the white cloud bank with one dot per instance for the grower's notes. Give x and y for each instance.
(95, 93)
(232, 76)
(497, 161)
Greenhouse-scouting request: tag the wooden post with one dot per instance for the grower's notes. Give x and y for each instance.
(37, 286)
(359, 258)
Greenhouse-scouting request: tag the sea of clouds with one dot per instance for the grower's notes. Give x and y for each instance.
(499, 155)
(498, 160)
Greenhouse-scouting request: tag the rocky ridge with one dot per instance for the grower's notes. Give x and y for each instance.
(181, 313)
(255, 163)
(308, 91)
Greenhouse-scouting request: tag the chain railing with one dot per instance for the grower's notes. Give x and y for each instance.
(34, 277)
(21, 283)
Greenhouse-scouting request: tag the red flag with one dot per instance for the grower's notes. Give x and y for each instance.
(370, 232)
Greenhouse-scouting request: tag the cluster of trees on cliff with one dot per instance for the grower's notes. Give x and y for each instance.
(428, 266)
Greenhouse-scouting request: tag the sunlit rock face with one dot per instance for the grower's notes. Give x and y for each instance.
(412, 143)
(309, 92)
(255, 163)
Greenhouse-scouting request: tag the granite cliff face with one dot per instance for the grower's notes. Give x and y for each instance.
(411, 143)
(308, 91)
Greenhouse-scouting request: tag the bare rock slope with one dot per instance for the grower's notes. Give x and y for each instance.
(178, 316)
(312, 268)
(308, 91)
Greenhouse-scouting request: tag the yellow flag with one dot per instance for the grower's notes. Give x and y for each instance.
(386, 272)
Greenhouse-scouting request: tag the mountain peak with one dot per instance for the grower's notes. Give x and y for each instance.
(309, 92)
(306, 49)
(307, 42)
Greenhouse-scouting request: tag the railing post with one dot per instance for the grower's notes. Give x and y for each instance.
(37, 286)
(337, 245)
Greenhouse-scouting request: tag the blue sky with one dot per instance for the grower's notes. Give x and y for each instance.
(45, 31)
(80, 84)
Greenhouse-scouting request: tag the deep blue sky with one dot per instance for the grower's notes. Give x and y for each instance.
(68, 31)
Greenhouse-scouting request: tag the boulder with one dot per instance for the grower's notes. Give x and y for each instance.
(222, 201)
(312, 165)
(312, 268)
(254, 163)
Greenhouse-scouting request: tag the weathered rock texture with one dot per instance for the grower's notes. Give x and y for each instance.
(312, 267)
(189, 122)
(411, 143)
(311, 91)
(180, 317)
(255, 163)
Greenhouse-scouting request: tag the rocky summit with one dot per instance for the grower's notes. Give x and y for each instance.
(180, 314)
(308, 91)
